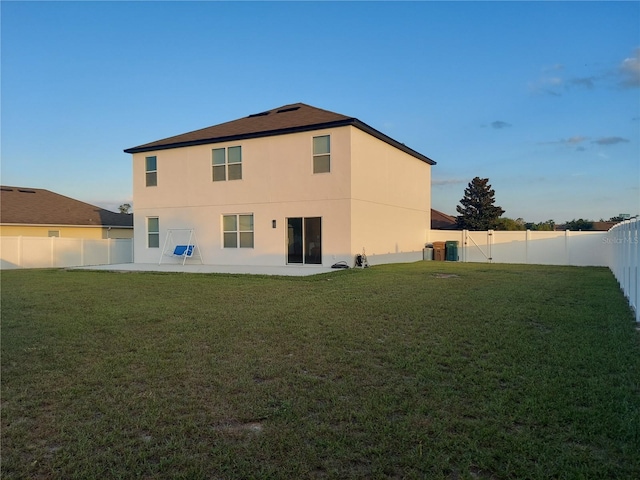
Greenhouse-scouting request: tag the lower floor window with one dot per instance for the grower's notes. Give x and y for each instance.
(153, 232)
(237, 231)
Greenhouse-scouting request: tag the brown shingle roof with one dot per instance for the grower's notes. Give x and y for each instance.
(35, 206)
(603, 226)
(297, 117)
(442, 221)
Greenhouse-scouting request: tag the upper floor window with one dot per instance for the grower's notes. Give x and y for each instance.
(227, 164)
(322, 154)
(153, 232)
(238, 231)
(151, 169)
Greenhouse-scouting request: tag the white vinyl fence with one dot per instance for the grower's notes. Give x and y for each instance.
(526, 246)
(54, 252)
(624, 247)
(616, 249)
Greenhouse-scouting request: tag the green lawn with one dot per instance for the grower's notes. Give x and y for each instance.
(425, 370)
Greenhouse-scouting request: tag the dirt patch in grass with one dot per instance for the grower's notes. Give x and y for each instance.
(234, 427)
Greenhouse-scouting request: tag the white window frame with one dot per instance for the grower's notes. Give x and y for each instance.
(318, 155)
(147, 172)
(154, 233)
(238, 231)
(227, 164)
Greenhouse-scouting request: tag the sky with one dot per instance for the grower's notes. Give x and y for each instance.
(542, 98)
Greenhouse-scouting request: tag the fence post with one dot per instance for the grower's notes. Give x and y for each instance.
(490, 244)
(635, 248)
(20, 262)
(629, 269)
(465, 242)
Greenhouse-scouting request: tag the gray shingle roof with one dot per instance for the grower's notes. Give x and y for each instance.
(35, 206)
(297, 117)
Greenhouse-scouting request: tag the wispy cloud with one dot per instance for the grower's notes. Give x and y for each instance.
(556, 86)
(570, 142)
(499, 124)
(588, 82)
(448, 181)
(610, 140)
(555, 81)
(547, 84)
(629, 70)
(575, 140)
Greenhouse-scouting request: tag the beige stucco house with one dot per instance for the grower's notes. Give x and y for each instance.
(36, 212)
(296, 185)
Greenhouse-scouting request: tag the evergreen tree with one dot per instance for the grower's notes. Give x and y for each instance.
(478, 211)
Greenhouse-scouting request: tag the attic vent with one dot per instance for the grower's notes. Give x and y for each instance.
(7, 189)
(26, 191)
(290, 109)
(261, 114)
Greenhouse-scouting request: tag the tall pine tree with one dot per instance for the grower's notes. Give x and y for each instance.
(478, 211)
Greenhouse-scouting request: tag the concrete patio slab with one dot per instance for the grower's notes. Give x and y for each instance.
(285, 270)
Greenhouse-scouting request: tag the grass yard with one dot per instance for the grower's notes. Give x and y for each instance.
(424, 370)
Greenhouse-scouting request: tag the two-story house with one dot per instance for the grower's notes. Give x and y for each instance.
(296, 185)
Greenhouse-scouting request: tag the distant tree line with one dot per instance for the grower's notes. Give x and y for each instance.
(519, 224)
(582, 224)
(548, 226)
(478, 212)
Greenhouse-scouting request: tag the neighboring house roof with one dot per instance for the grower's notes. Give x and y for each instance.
(297, 117)
(35, 206)
(603, 226)
(442, 221)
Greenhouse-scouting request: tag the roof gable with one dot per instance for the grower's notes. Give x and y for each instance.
(35, 206)
(297, 117)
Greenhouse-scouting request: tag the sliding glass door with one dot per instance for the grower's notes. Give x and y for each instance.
(304, 240)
